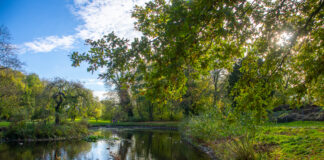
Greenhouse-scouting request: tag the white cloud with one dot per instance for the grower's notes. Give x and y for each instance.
(80, 2)
(99, 17)
(92, 81)
(100, 94)
(101, 70)
(106, 95)
(104, 16)
(49, 43)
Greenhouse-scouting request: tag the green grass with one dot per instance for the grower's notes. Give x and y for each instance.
(23, 130)
(298, 124)
(93, 122)
(288, 141)
(294, 140)
(4, 124)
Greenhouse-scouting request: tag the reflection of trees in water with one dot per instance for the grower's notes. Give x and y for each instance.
(155, 145)
(134, 144)
(125, 144)
(103, 132)
(44, 150)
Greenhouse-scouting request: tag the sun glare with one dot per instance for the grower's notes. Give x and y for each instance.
(284, 38)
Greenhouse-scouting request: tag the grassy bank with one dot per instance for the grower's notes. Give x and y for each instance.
(4, 124)
(94, 123)
(298, 124)
(43, 131)
(148, 124)
(294, 140)
(297, 140)
(91, 122)
(24, 131)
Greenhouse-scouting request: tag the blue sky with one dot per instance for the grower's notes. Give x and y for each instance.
(47, 31)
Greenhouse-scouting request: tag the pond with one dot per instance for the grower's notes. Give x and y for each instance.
(125, 144)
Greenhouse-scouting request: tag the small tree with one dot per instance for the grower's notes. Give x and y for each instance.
(8, 59)
(65, 94)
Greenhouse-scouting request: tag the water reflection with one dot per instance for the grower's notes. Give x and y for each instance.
(126, 144)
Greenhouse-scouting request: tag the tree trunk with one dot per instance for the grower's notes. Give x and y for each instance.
(215, 79)
(125, 101)
(73, 118)
(57, 116)
(151, 111)
(57, 111)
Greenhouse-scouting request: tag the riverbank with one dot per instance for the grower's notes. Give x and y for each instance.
(167, 124)
(28, 132)
(209, 151)
(293, 140)
(105, 123)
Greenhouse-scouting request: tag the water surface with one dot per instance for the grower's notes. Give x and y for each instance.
(126, 144)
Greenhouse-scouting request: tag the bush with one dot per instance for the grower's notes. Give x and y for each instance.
(241, 149)
(93, 138)
(23, 130)
(231, 134)
(216, 124)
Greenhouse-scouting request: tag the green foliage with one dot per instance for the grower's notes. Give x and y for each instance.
(216, 124)
(93, 138)
(241, 149)
(148, 124)
(19, 94)
(294, 140)
(299, 124)
(269, 52)
(111, 111)
(93, 122)
(23, 130)
(26, 97)
(12, 89)
(70, 97)
(4, 124)
(95, 110)
(112, 54)
(225, 63)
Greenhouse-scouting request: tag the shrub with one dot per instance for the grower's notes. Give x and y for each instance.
(93, 138)
(231, 133)
(41, 130)
(216, 124)
(241, 149)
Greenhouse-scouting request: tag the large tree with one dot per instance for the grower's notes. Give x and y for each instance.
(66, 95)
(113, 55)
(274, 39)
(12, 89)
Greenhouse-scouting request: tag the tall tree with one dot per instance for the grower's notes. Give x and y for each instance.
(198, 34)
(12, 89)
(112, 54)
(65, 94)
